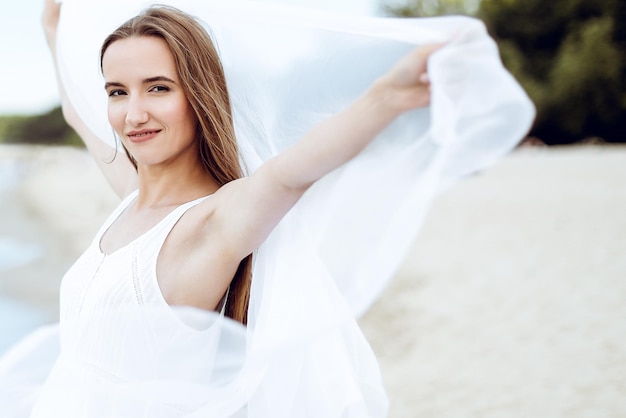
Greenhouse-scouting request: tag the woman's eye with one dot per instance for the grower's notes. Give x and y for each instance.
(159, 89)
(115, 93)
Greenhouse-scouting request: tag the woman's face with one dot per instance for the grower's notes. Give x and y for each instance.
(147, 105)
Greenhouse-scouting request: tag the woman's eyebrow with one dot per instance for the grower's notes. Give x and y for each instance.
(112, 84)
(158, 78)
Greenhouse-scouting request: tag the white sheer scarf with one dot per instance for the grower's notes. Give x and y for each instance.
(332, 255)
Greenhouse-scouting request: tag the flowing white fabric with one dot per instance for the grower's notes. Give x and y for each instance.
(332, 255)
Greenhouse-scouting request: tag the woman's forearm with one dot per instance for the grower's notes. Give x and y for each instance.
(49, 22)
(336, 140)
(341, 137)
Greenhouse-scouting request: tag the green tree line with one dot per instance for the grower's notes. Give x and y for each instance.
(569, 55)
(48, 128)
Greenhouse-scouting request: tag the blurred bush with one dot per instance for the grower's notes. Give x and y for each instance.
(569, 55)
(427, 8)
(48, 128)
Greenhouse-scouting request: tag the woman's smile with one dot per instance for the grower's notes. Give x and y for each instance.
(143, 135)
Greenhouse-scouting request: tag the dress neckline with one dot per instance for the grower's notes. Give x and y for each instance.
(123, 206)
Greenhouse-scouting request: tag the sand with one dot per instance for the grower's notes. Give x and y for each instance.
(59, 203)
(511, 304)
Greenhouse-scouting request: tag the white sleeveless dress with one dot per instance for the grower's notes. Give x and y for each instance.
(323, 265)
(124, 351)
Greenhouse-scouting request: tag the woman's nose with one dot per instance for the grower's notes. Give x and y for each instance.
(136, 113)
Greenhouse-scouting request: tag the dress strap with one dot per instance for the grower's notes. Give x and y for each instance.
(116, 214)
(156, 237)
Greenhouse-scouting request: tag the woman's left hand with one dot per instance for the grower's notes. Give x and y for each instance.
(407, 85)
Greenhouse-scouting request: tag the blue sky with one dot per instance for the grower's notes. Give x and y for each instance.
(26, 70)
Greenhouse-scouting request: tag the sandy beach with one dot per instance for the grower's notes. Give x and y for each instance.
(512, 302)
(58, 203)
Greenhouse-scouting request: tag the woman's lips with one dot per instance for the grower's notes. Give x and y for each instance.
(142, 136)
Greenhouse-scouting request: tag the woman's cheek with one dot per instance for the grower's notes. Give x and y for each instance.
(116, 117)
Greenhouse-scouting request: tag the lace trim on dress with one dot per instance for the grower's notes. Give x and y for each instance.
(135, 276)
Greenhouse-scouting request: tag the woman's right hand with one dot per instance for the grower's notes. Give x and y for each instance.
(50, 21)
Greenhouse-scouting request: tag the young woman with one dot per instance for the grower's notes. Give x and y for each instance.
(144, 328)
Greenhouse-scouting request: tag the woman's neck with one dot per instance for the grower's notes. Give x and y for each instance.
(169, 185)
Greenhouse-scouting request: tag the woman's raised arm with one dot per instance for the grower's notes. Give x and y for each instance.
(115, 166)
(340, 138)
(253, 206)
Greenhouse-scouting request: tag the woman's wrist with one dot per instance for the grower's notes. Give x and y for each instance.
(383, 100)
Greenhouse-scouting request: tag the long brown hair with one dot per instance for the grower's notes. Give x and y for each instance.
(202, 77)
